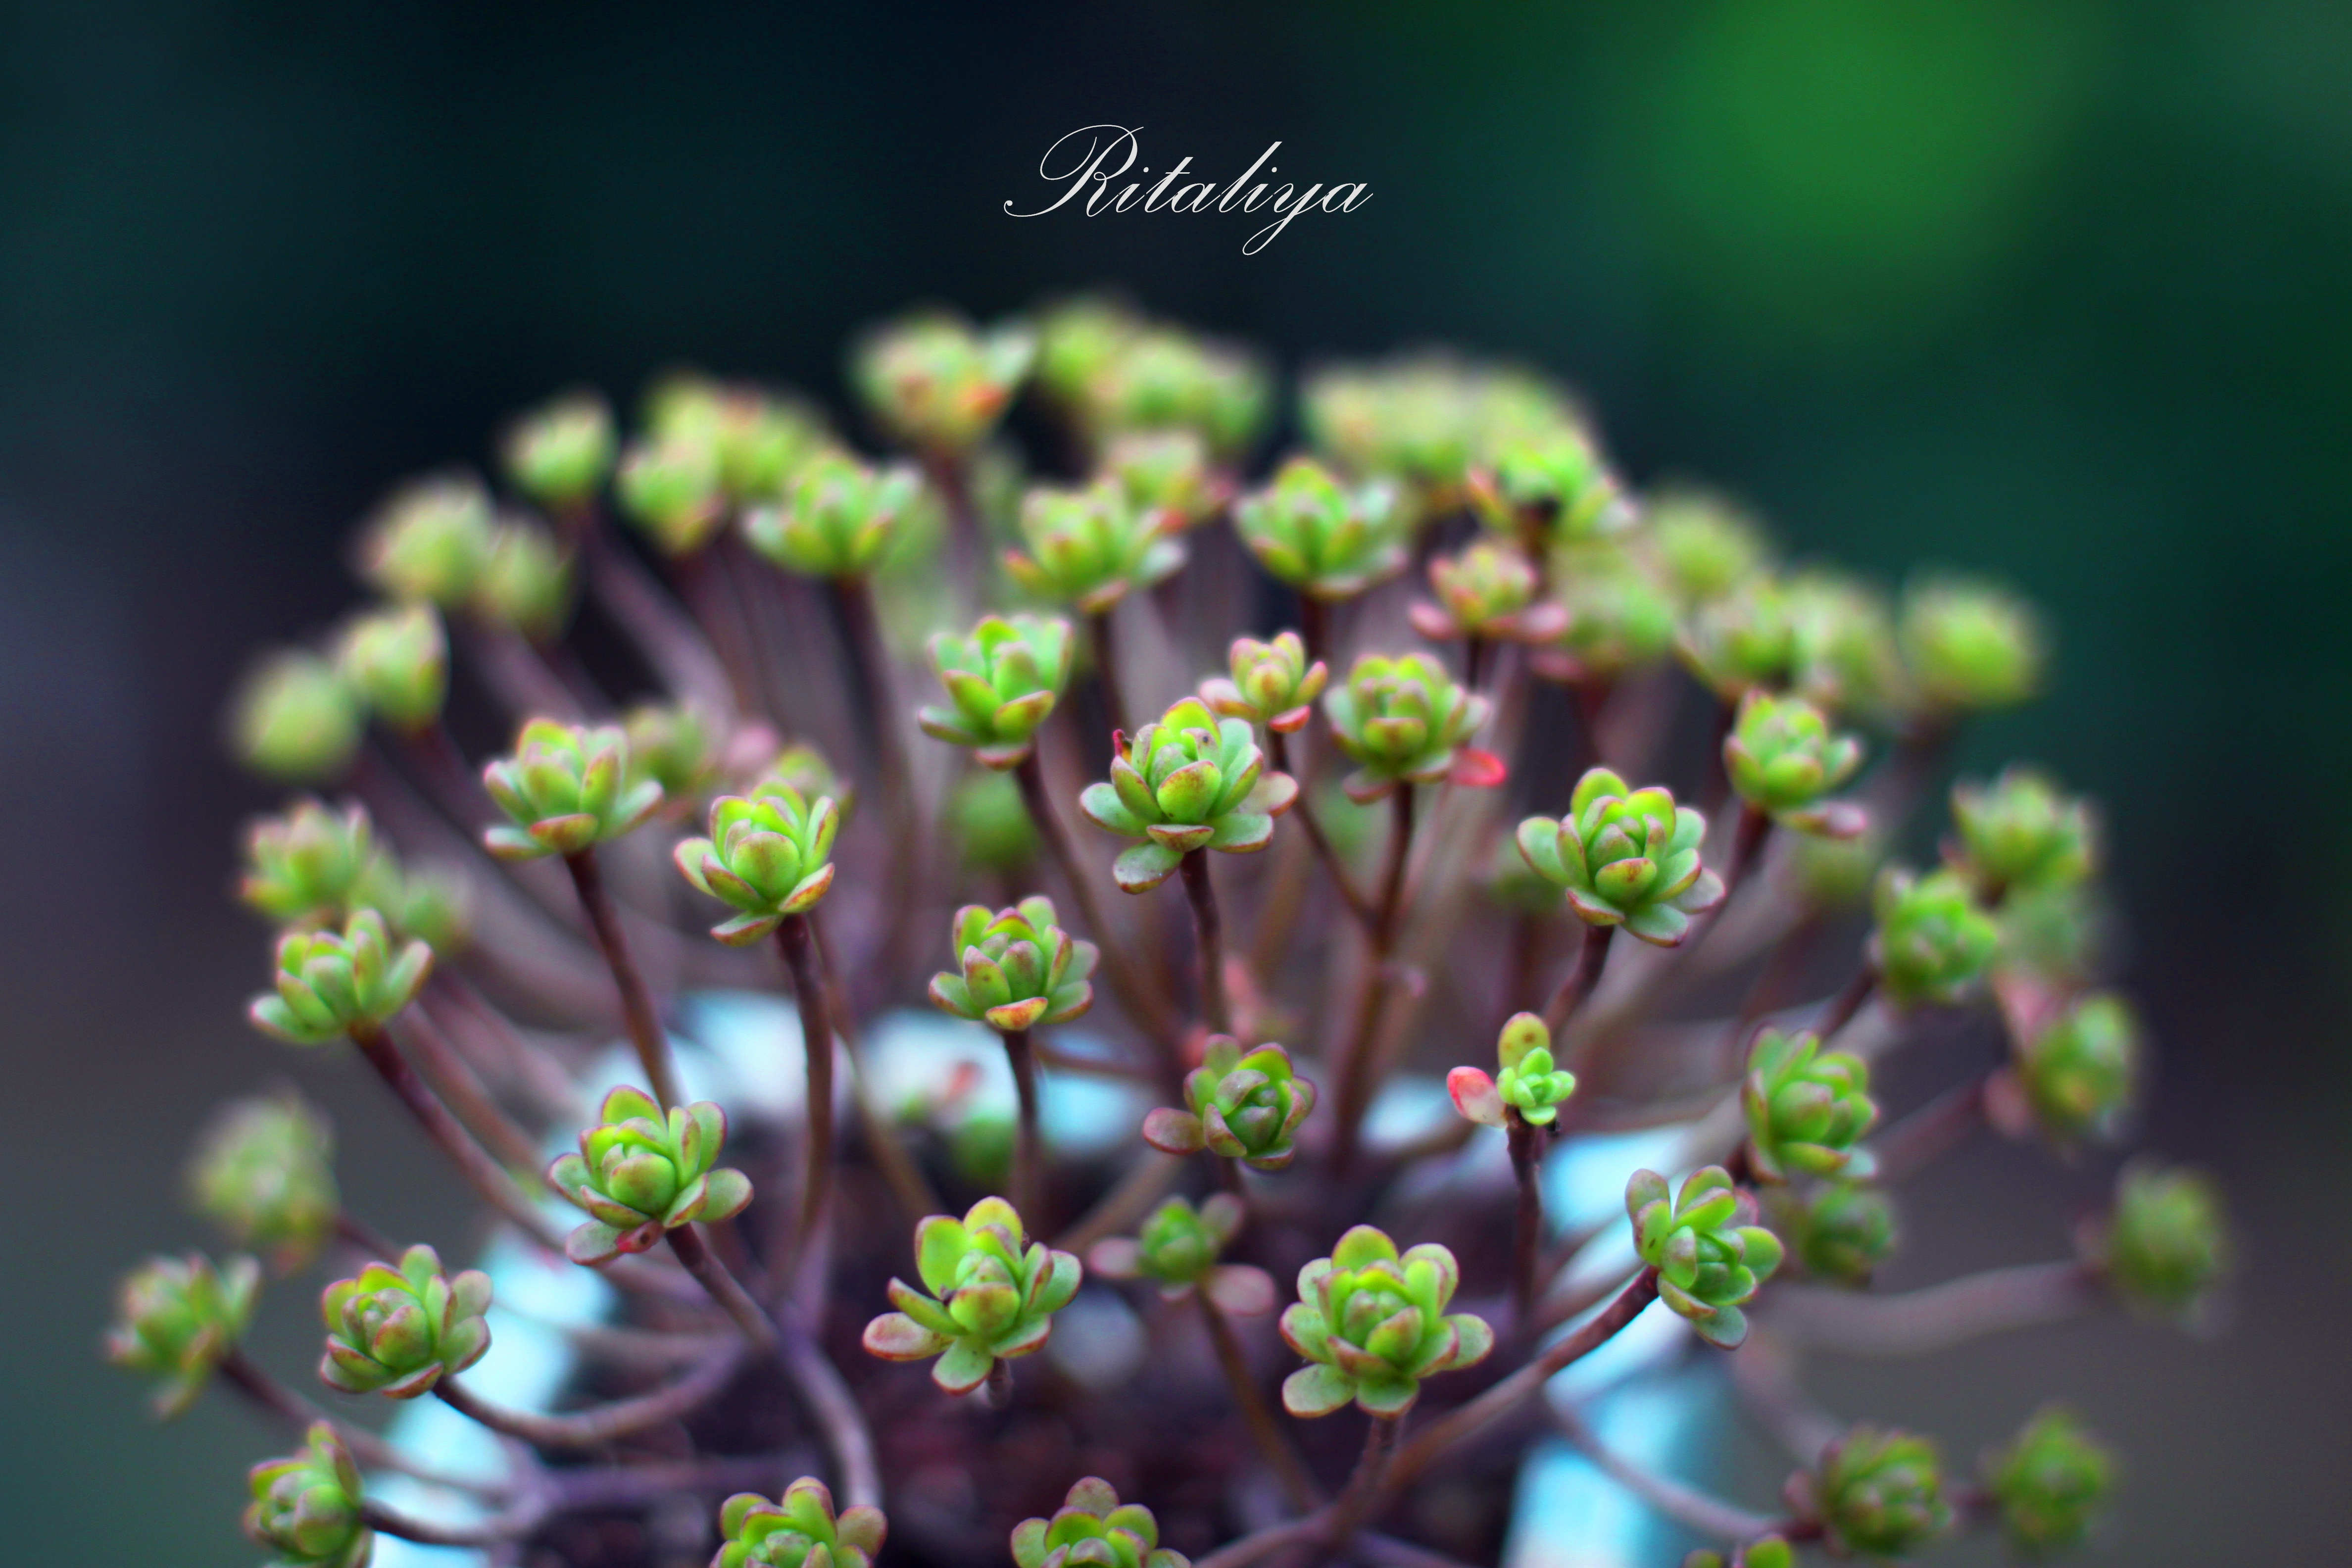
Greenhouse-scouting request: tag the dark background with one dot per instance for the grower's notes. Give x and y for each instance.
(2056, 288)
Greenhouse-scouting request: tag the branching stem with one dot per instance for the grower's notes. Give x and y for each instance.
(1275, 1448)
(1028, 1150)
(816, 1047)
(645, 1026)
(1209, 932)
(488, 1179)
(1591, 955)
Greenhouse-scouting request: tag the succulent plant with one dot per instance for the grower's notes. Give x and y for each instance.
(2049, 1481)
(1880, 1492)
(1808, 1110)
(1526, 1084)
(1165, 476)
(1969, 645)
(397, 1332)
(1932, 944)
(1164, 379)
(1705, 1243)
(309, 864)
(2020, 832)
(2166, 1243)
(1488, 590)
(640, 1174)
(1019, 968)
(526, 581)
(756, 437)
(330, 983)
(1841, 1231)
(1705, 544)
(1186, 781)
(1427, 419)
(296, 720)
(1741, 640)
(993, 1297)
(1004, 679)
(1372, 1323)
(306, 1507)
(263, 1171)
(2079, 1071)
(1089, 548)
(1555, 481)
(671, 488)
(990, 824)
(1784, 760)
(1405, 720)
(938, 384)
(560, 453)
(1177, 1250)
(1625, 857)
(676, 745)
(1764, 1552)
(1843, 654)
(1620, 617)
(397, 660)
(1273, 683)
(798, 1530)
(176, 1319)
(1240, 1105)
(837, 517)
(566, 788)
(430, 540)
(1325, 539)
(1093, 1529)
(769, 856)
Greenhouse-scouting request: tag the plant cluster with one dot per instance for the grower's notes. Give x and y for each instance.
(1436, 792)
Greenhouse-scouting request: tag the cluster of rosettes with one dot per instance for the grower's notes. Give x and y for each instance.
(1710, 1254)
(1241, 1105)
(798, 1530)
(1089, 548)
(1093, 1529)
(1273, 683)
(1019, 968)
(769, 858)
(1739, 641)
(1003, 679)
(1528, 1087)
(1372, 1323)
(1625, 857)
(640, 1174)
(398, 1331)
(1808, 1110)
(993, 1297)
(1839, 1231)
(1406, 720)
(177, 1318)
(306, 1507)
(1323, 538)
(1116, 373)
(311, 866)
(567, 788)
(1177, 1250)
(1185, 782)
(1784, 760)
(329, 983)
(1166, 476)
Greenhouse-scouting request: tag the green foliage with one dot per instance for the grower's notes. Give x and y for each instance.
(397, 1332)
(1808, 1110)
(992, 1298)
(397, 660)
(1932, 944)
(263, 1171)
(755, 439)
(1093, 1529)
(527, 580)
(1004, 679)
(176, 1319)
(1881, 1492)
(2049, 1481)
(1841, 1231)
(1527, 1082)
(560, 453)
(330, 983)
(2080, 1070)
(1427, 419)
(1404, 720)
(935, 383)
(837, 517)
(1323, 538)
(1372, 1324)
(2165, 1244)
(1273, 683)
(567, 788)
(676, 745)
(1843, 654)
(306, 1507)
(990, 824)
(640, 1174)
(1554, 484)
(1170, 379)
(769, 856)
(1177, 1250)
(428, 541)
(1620, 617)
(1165, 476)
(1764, 1552)
(1088, 547)
(311, 866)
(671, 488)
(1240, 1105)
(1625, 857)
(1185, 782)
(1487, 590)
(2019, 833)
(800, 1530)
(1971, 646)
(1705, 544)
(1784, 759)
(294, 719)
(1710, 1254)
(1741, 640)
(1019, 968)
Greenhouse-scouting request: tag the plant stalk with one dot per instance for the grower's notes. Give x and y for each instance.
(817, 1048)
(1355, 1063)
(1275, 1448)
(1578, 985)
(1302, 808)
(599, 1425)
(1209, 933)
(1028, 1150)
(646, 1032)
(1526, 1231)
(488, 1179)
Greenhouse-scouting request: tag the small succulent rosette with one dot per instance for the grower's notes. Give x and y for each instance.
(993, 1297)
(1620, 619)
(1320, 536)
(1177, 1250)
(1841, 646)
(330, 983)
(1783, 759)
(1841, 1231)
(1764, 1552)
(640, 1174)
(1933, 943)
(565, 789)
(1244, 1105)
(1089, 548)
(295, 720)
(527, 584)
(398, 1331)
(1705, 543)
(1186, 781)
(1971, 646)
(397, 659)
(937, 382)
(176, 1319)
(1003, 679)
(307, 1507)
(1487, 590)
(756, 439)
(1019, 968)
(2022, 832)
(1167, 378)
(1625, 858)
(1710, 1254)
(2075, 1074)
(263, 1171)
(2049, 1483)
(1406, 720)
(307, 867)
(2164, 1246)
(1554, 486)
(1166, 475)
(1808, 1110)
(836, 519)
(1372, 1323)
(677, 745)
(769, 856)
(798, 1530)
(1877, 1493)
(1093, 1529)
(560, 453)
(1273, 683)
(428, 541)
(1528, 1085)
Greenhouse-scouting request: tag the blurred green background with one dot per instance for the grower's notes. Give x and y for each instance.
(2056, 288)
